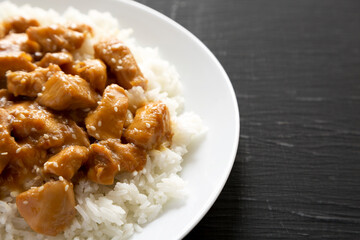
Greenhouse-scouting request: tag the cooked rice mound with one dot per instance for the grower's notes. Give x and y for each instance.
(120, 210)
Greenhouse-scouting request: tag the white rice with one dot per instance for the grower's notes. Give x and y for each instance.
(118, 211)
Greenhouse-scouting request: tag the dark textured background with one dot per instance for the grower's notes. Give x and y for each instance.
(295, 68)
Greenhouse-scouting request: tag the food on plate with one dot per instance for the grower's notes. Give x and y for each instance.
(92, 130)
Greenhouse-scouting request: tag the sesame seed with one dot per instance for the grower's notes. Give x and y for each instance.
(120, 61)
(41, 188)
(39, 94)
(61, 178)
(23, 81)
(33, 129)
(55, 164)
(116, 109)
(22, 116)
(98, 102)
(43, 88)
(86, 109)
(113, 60)
(147, 125)
(118, 68)
(38, 54)
(99, 123)
(55, 138)
(18, 150)
(25, 202)
(14, 194)
(66, 188)
(9, 117)
(97, 136)
(104, 51)
(92, 128)
(46, 136)
(73, 136)
(4, 153)
(119, 167)
(117, 45)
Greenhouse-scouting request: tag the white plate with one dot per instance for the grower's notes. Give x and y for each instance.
(208, 92)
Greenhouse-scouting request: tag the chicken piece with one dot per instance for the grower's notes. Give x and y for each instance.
(13, 42)
(73, 135)
(55, 38)
(8, 145)
(59, 58)
(29, 83)
(19, 24)
(130, 157)
(66, 92)
(121, 62)
(48, 209)
(15, 61)
(102, 166)
(92, 70)
(27, 155)
(17, 42)
(107, 120)
(36, 125)
(67, 162)
(150, 127)
(109, 157)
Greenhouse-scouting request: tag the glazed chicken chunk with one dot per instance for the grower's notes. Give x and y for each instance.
(107, 158)
(34, 123)
(29, 83)
(102, 166)
(130, 157)
(150, 127)
(65, 92)
(107, 120)
(67, 162)
(121, 62)
(92, 70)
(18, 42)
(48, 209)
(59, 58)
(55, 38)
(15, 61)
(19, 24)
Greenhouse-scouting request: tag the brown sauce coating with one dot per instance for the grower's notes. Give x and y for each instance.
(62, 119)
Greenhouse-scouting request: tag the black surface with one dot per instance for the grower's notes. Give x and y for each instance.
(295, 67)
